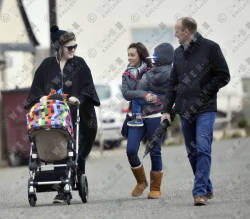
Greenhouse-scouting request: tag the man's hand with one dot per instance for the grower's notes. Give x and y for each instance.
(43, 99)
(166, 116)
(74, 100)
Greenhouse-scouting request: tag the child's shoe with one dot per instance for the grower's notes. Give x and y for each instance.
(136, 122)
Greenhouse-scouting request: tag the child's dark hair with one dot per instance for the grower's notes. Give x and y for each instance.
(142, 52)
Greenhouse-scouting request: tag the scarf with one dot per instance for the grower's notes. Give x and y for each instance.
(134, 72)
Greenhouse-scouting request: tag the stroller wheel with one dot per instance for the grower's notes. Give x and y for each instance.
(32, 200)
(83, 188)
(67, 198)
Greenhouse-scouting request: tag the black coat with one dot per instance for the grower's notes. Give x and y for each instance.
(76, 80)
(197, 75)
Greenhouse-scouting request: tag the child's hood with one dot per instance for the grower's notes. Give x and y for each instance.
(164, 54)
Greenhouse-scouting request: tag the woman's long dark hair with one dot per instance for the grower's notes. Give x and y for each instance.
(142, 52)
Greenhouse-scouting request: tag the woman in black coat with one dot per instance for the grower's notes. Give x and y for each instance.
(71, 73)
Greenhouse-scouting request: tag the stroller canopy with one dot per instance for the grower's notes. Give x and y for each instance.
(51, 114)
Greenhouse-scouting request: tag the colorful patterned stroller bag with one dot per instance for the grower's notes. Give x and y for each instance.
(51, 125)
(53, 161)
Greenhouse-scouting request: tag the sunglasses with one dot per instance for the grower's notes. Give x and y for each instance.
(70, 48)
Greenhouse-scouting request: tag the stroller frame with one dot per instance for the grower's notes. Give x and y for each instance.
(69, 178)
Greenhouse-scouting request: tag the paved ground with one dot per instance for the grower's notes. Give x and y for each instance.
(111, 182)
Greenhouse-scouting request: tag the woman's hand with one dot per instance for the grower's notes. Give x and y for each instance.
(74, 100)
(43, 99)
(151, 98)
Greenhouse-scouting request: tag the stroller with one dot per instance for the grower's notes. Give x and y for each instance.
(54, 150)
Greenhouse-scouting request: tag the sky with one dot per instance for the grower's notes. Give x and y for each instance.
(37, 11)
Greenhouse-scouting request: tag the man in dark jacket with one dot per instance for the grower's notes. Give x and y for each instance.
(199, 71)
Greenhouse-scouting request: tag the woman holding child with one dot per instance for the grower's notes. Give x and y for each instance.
(145, 87)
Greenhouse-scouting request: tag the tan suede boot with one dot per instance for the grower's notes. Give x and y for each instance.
(155, 184)
(142, 183)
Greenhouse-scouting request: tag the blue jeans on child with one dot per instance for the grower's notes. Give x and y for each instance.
(198, 137)
(136, 106)
(137, 103)
(135, 136)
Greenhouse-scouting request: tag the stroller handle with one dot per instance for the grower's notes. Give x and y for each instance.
(77, 104)
(77, 123)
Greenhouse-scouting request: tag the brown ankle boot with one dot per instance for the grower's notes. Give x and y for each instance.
(142, 183)
(155, 184)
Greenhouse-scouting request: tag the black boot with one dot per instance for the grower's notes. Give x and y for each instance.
(60, 197)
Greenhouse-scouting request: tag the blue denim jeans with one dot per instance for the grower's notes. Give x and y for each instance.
(198, 137)
(136, 106)
(135, 135)
(138, 103)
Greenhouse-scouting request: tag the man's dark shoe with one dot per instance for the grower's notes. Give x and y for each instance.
(209, 195)
(200, 200)
(60, 198)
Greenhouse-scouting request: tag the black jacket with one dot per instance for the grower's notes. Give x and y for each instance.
(197, 75)
(76, 80)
